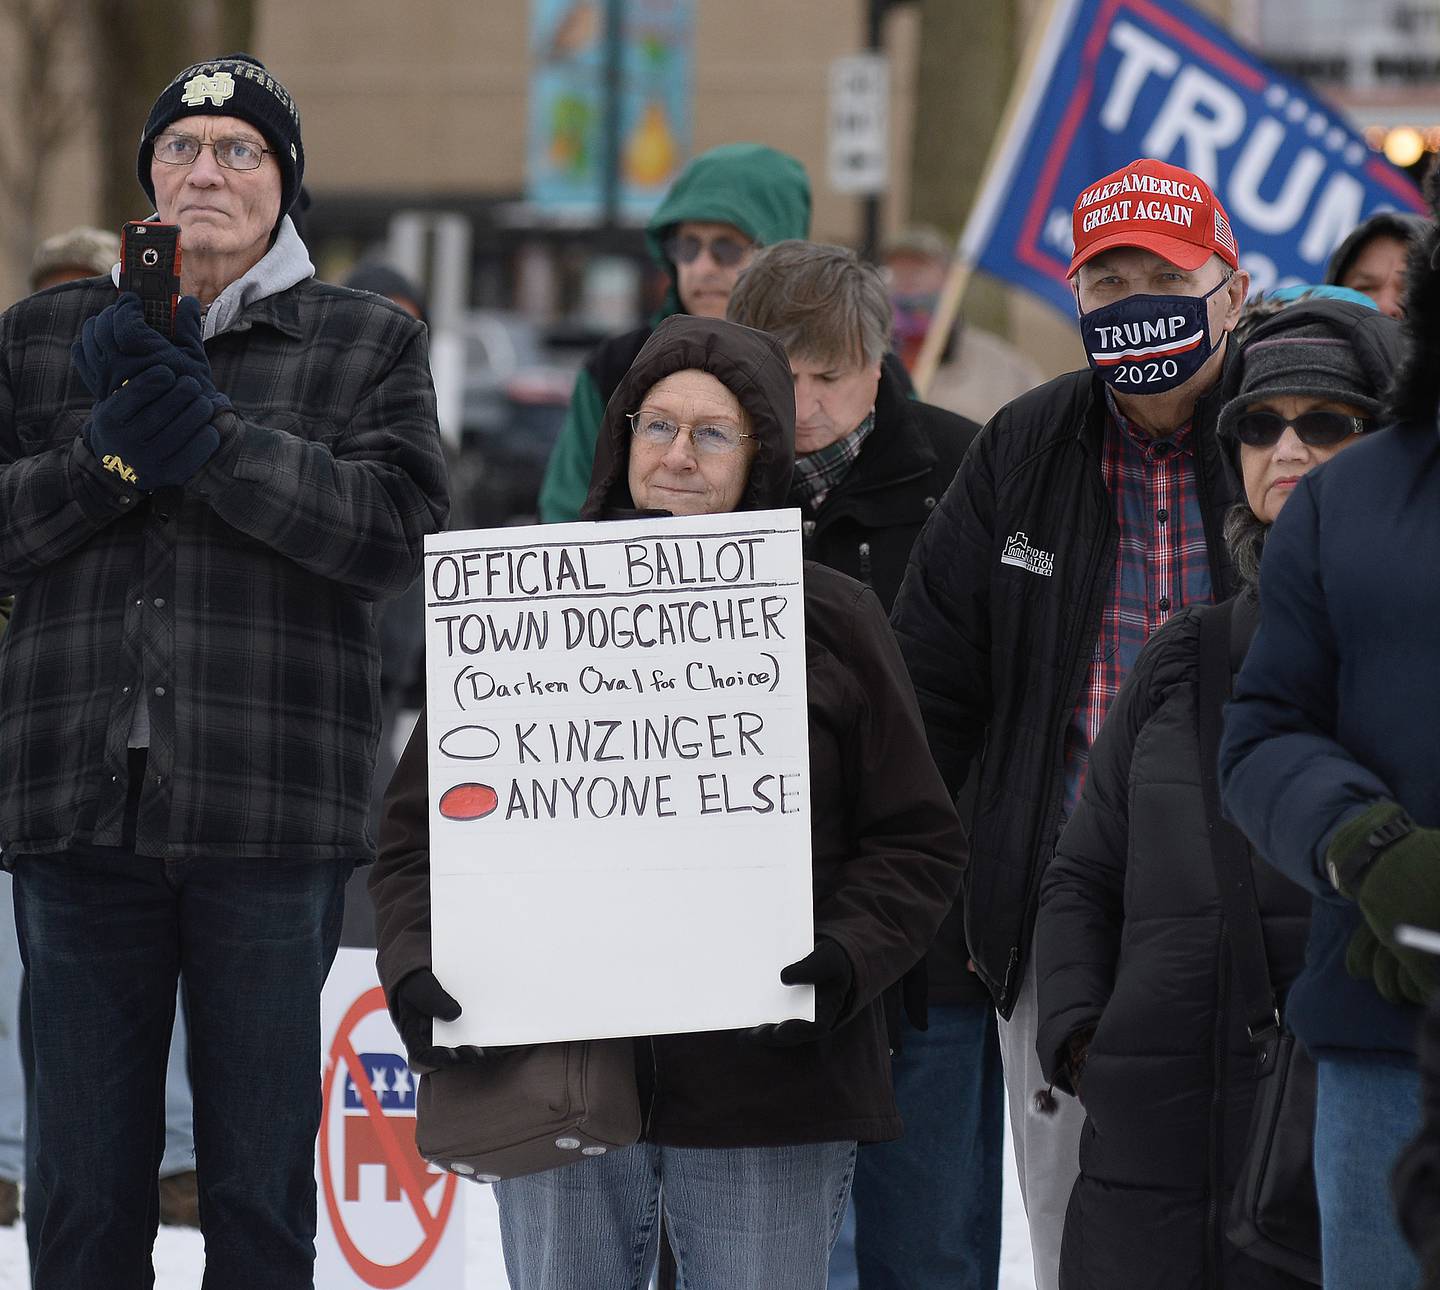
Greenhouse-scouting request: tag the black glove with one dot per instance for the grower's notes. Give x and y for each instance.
(828, 969)
(156, 431)
(1368, 960)
(419, 1000)
(118, 344)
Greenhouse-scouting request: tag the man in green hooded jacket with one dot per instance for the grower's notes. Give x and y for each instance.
(725, 204)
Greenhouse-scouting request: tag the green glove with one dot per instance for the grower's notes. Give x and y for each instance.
(1391, 869)
(1367, 960)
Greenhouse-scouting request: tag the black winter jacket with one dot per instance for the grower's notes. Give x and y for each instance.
(1130, 936)
(866, 526)
(999, 651)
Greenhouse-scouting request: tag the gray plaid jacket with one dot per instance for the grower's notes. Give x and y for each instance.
(244, 601)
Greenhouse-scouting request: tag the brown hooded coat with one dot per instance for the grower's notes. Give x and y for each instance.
(886, 843)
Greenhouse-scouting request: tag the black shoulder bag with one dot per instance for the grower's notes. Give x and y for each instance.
(1274, 1216)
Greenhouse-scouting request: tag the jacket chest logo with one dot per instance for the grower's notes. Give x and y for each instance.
(1019, 553)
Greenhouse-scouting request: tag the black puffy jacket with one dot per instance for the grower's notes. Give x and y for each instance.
(999, 652)
(1130, 939)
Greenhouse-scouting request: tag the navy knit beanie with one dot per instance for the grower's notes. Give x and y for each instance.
(239, 86)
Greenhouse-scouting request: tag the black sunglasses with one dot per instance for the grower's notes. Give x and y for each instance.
(727, 252)
(1261, 429)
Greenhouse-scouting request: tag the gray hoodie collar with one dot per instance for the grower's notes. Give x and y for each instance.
(284, 265)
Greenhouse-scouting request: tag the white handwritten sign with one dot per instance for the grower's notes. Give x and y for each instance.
(619, 776)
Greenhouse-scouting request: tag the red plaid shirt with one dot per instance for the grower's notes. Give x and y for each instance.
(1161, 565)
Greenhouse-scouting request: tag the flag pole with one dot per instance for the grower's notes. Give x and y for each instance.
(957, 279)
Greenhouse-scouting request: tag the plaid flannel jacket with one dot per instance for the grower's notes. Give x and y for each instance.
(243, 601)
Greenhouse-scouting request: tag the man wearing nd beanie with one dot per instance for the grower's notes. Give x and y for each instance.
(197, 529)
(1088, 512)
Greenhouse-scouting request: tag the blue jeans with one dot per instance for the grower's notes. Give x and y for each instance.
(179, 1154)
(179, 1105)
(1367, 1108)
(751, 1218)
(927, 1208)
(104, 935)
(12, 1080)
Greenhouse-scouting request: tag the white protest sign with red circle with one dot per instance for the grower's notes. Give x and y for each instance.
(387, 1218)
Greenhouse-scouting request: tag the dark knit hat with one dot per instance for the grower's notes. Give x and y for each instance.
(1327, 349)
(382, 280)
(235, 85)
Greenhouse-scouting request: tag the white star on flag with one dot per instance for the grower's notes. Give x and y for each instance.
(378, 1083)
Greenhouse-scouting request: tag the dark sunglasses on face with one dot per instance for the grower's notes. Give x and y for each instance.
(1261, 429)
(727, 252)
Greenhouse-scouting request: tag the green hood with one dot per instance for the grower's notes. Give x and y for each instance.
(764, 193)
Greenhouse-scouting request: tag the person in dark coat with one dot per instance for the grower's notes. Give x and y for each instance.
(1140, 1014)
(1371, 259)
(197, 529)
(725, 204)
(1088, 512)
(872, 463)
(1329, 765)
(749, 1139)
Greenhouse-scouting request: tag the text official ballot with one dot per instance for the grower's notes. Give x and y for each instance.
(619, 776)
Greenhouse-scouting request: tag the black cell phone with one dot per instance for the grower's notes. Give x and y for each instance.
(150, 267)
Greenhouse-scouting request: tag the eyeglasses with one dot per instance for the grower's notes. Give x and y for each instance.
(233, 154)
(711, 439)
(1261, 429)
(727, 252)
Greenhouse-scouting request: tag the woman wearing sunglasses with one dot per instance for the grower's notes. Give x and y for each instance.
(1141, 1015)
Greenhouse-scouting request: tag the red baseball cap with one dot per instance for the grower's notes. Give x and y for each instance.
(1156, 207)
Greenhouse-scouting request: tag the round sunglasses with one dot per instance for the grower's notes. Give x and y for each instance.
(1261, 429)
(727, 252)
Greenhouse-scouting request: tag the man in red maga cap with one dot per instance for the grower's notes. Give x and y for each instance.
(1088, 513)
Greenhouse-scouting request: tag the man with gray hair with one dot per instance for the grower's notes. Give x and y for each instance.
(197, 527)
(871, 463)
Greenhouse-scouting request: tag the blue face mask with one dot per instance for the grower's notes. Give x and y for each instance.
(1149, 344)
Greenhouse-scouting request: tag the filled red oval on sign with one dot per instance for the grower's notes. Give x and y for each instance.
(468, 802)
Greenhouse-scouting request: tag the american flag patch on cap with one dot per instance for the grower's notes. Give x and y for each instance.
(1223, 235)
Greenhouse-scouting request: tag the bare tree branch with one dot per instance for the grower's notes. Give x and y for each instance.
(44, 107)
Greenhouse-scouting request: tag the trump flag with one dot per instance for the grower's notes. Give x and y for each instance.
(1114, 80)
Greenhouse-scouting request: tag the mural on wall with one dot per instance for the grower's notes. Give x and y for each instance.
(568, 109)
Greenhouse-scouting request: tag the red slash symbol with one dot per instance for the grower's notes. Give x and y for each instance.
(396, 1136)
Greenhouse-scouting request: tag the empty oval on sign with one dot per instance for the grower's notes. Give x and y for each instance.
(470, 743)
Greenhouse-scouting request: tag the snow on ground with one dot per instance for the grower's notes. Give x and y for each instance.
(180, 1255)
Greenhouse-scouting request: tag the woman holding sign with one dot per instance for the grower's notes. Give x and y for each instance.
(749, 1136)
